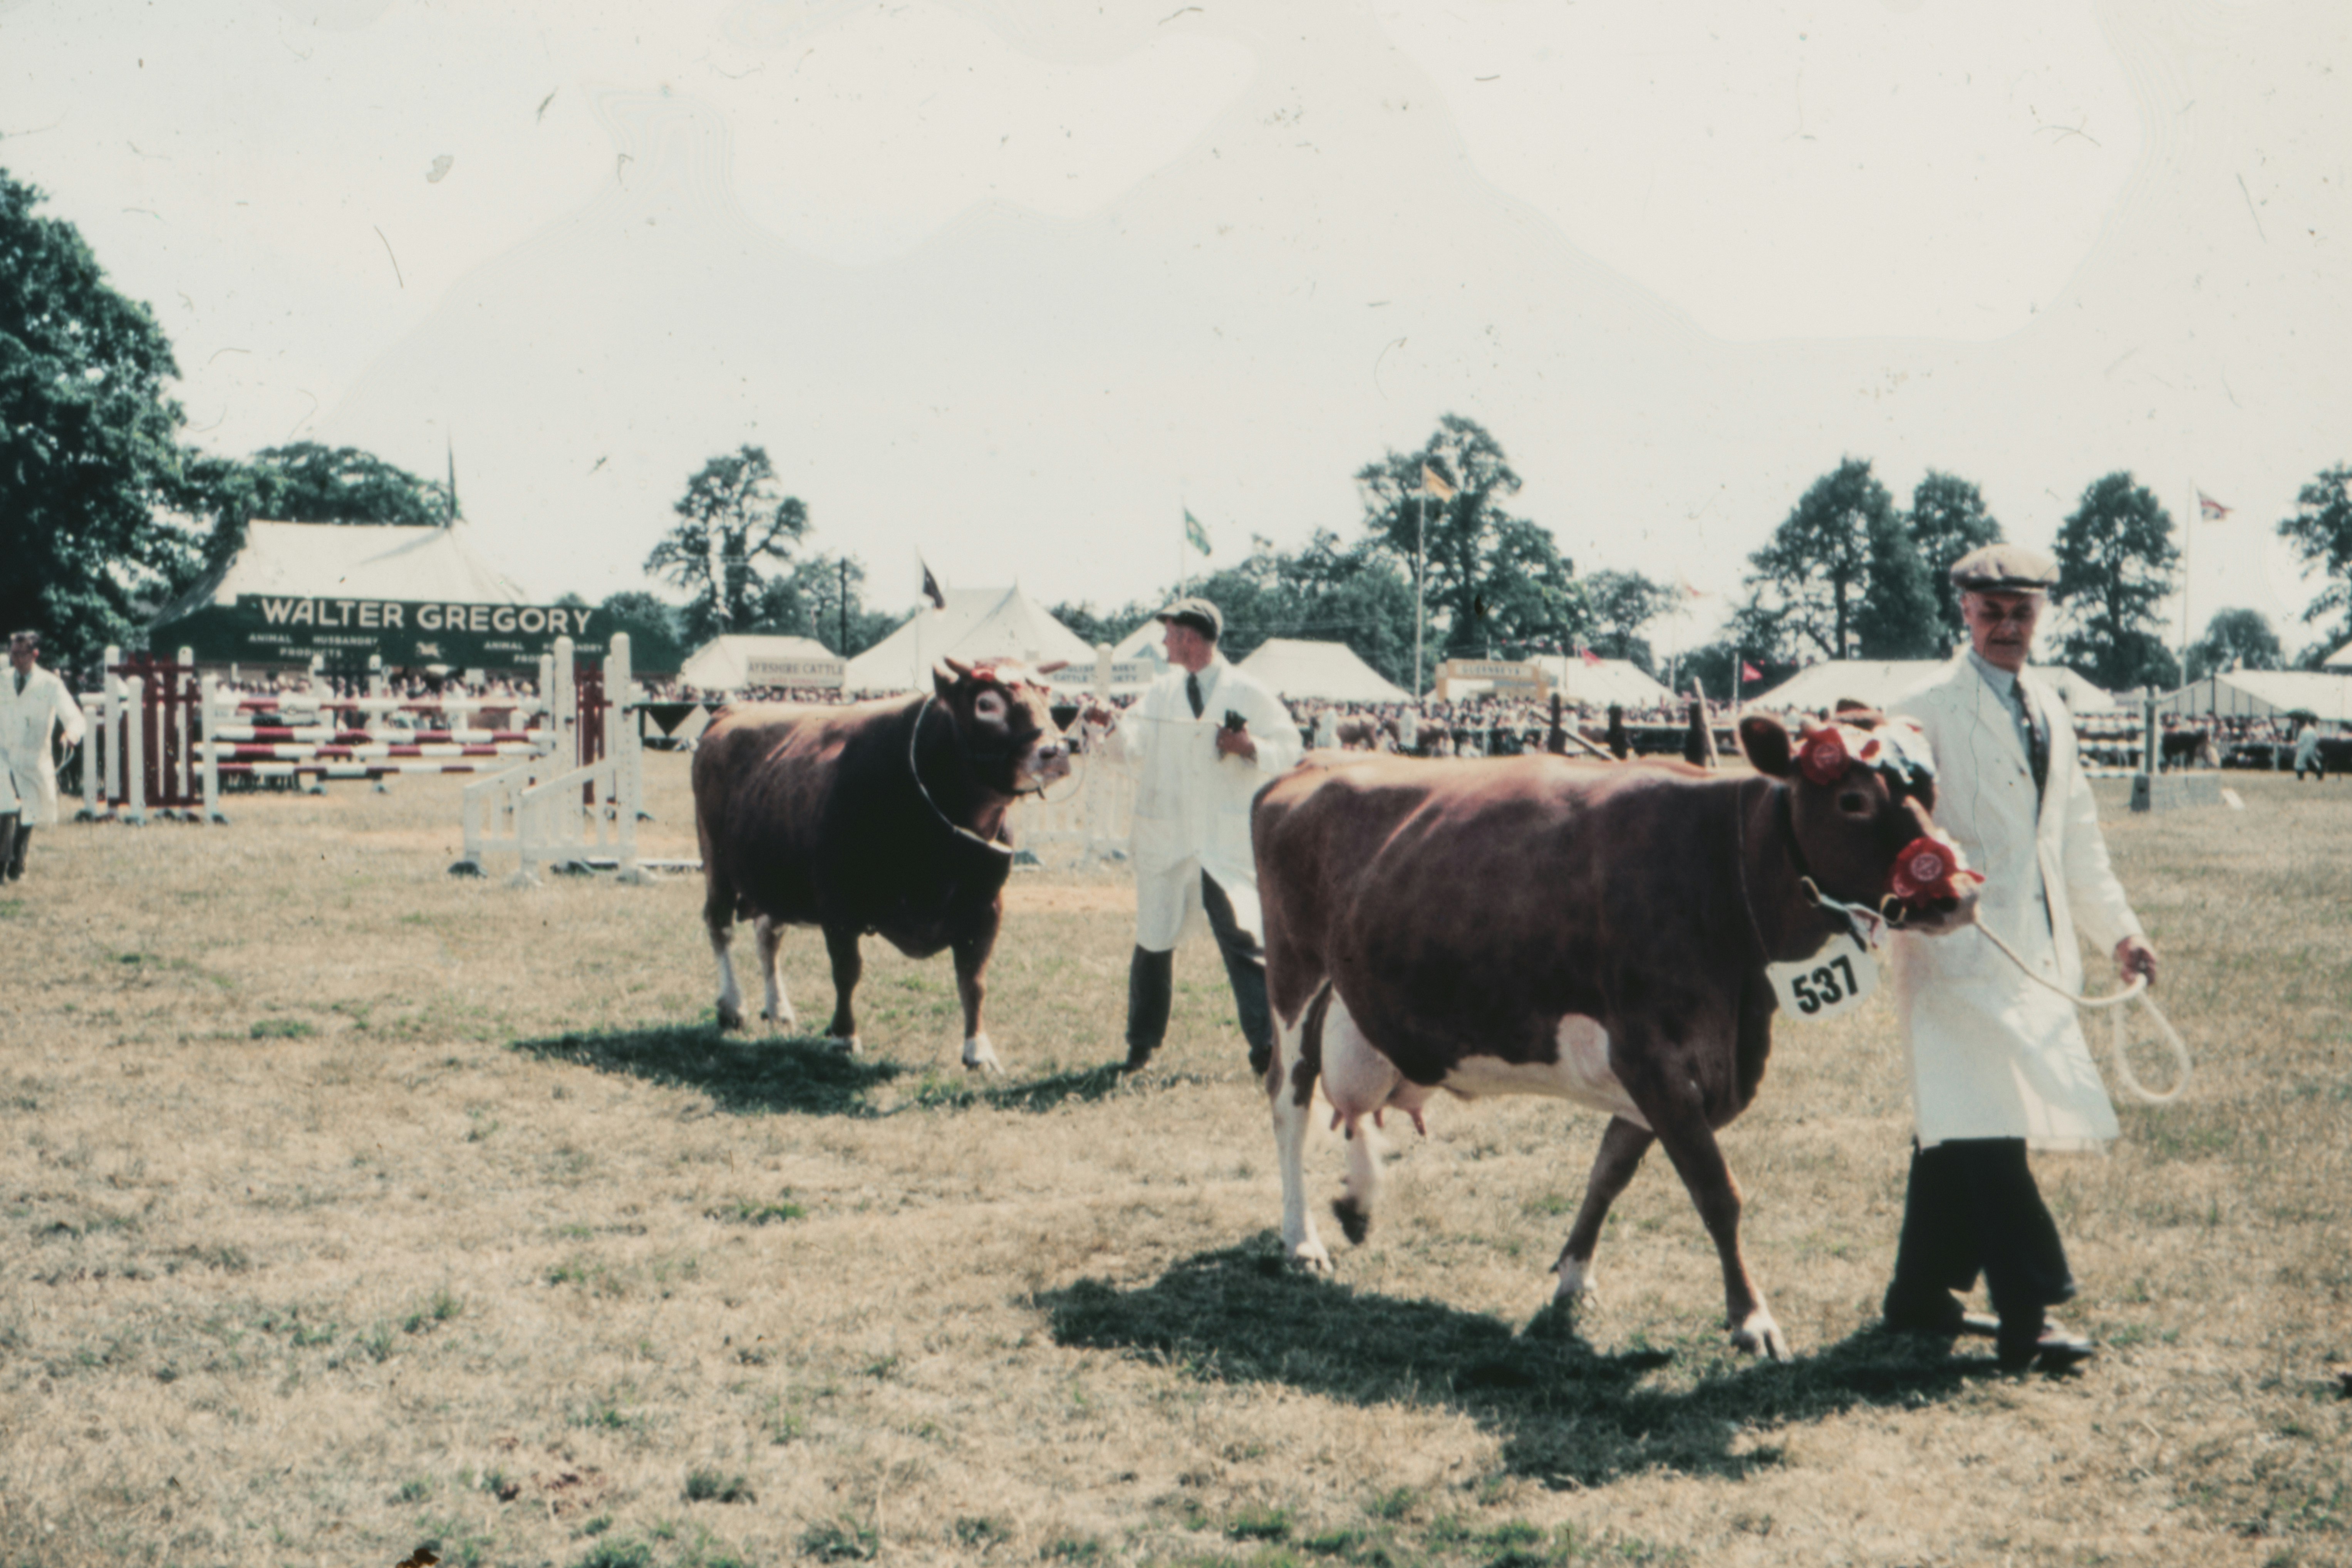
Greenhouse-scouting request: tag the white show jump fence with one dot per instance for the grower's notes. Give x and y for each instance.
(565, 782)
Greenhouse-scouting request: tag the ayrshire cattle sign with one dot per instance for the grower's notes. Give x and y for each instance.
(292, 628)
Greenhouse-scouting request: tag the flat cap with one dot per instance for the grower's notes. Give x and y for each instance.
(2005, 569)
(1196, 613)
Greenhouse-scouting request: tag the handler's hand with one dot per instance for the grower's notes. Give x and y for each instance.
(2134, 956)
(1236, 743)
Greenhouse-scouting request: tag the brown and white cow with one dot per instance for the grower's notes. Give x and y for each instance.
(1593, 931)
(884, 818)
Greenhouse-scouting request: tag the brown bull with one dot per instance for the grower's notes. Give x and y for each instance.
(885, 818)
(1532, 925)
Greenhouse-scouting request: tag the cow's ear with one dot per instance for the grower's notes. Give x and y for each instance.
(1765, 745)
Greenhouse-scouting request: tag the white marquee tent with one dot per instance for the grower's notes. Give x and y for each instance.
(2340, 660)
(977, 623)
(2264, 694)
(1818, 688)
(733, 663)
(1329, 671)
(1618, 680)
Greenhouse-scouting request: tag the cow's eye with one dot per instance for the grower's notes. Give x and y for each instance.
(1854, 803)
(989, 705)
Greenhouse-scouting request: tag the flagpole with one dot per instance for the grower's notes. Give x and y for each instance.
(1420, 572)
(2187, 560)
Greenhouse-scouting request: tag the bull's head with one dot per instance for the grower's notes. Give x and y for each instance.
(1003, 716)
(1862, 802)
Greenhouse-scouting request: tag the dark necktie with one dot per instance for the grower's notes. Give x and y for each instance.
(2037, 741)
(20, 689)
(1192, 691)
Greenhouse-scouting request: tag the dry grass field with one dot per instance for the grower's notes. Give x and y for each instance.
(346, 1208)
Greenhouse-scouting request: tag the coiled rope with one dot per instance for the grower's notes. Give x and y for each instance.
(2117, 1034)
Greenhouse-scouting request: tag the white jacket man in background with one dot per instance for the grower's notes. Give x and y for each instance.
(1201, 742)
(1998, 1063)
(33, 704)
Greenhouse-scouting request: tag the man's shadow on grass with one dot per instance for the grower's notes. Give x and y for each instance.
(749, 1073)
(1568, 1414)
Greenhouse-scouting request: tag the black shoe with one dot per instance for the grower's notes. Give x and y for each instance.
(1938, 1316)
(2050, 1348)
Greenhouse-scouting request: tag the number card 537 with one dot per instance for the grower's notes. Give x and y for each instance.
(1839, 978)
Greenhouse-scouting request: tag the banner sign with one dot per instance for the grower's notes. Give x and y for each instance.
(824, 673)
(275, 628)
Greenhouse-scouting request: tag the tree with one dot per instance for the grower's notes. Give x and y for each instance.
(2321, 532)
(730, 518)
(1621, 604)
(1095, 626)
(808, 602)
(656, 646)
(2115, 568)
(1841, 576)
(1948, 520)
(2234, 639)
(1492, 580)
(306, 482)
(86, 436)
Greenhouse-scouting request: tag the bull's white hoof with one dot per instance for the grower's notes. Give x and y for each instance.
(848, 1044)
(1575, 1281)
(1308, 1257)
(782, 1023)
(729, 1017)
(1760, 1335)
(979, 1055)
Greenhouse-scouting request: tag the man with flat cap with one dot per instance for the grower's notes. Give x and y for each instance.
(1201, 742)
(1998, 1063)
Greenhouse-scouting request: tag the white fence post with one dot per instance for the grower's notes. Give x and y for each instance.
(621, 751)
(200, 735)
(134, 751)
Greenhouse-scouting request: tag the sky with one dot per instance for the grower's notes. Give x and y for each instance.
(1012, 284)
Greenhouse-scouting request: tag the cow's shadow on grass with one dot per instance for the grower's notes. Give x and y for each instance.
(1568, 1414)
(812, 1077)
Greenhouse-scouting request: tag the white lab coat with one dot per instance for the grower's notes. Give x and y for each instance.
(1991, 1054)
(1193, 805)
(27, 721)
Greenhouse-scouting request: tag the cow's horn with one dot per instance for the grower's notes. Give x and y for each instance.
(961, 665)
(1050, 666)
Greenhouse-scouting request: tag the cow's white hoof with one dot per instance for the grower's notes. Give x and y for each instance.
(782, 1023)
(729, 1016)
(848, 1044)
(1575, 1281)
(1308, 1258)
(979, 1055)
(1760, 1335)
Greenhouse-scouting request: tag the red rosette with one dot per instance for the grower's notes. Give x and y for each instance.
(1923, 871)
(1824, 757)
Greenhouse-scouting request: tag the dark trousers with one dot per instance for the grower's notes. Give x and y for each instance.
(1151, 983)
(14, 837)
(1972, 1209)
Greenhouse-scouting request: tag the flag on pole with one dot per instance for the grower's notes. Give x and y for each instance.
(1194, 534)
(1749, 672)
(2210, 511)
(1587, 655)
(931, 585)
(1690, 590)
(1433, 483)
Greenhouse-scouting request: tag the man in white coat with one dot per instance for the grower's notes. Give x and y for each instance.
(1998, 1063)
(1201, 742)
(33, 704)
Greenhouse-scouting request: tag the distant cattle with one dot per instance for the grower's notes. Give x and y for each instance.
(1365, 731)
(886, 817)
(2187, 749)
(1594, 931)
